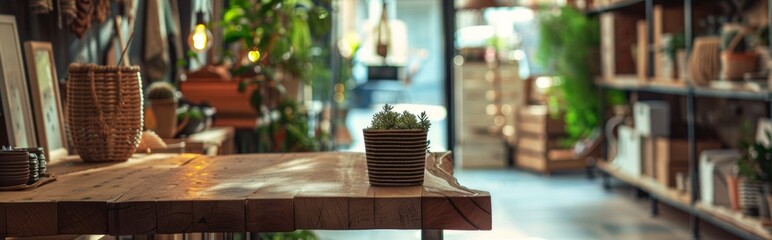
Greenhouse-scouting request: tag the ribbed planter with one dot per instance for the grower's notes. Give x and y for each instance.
(749, 194)
(395, 157)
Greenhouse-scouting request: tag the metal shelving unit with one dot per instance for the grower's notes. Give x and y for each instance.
(614, 6)
(690, 93)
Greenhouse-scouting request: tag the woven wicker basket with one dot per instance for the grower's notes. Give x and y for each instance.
(104, 106)
(395, 157)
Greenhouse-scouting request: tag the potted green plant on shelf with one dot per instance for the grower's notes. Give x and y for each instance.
(163, 104)
(395, 147)
(675, 49)
(754, 170)
(736, 58)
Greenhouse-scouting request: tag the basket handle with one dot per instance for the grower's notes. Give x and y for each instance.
(100, 114)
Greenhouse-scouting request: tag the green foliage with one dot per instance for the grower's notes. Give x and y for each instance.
(285, 32)
(296, 235)
(387, 118)
(676, 43)
(193, 113)
(756, 161)
(161, 90)
(726, 40)
(568, 42)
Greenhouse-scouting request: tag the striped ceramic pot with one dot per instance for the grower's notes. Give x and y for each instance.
(395, 157)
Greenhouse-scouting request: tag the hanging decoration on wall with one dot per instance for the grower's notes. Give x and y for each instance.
(82, 21)
(41, 6)
(68, 9)
(102, 10)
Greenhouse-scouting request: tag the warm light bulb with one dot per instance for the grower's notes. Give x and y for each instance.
(253, 55)
(200, 39)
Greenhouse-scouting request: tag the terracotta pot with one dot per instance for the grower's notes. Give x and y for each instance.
(395, 157)
(733, 192)
(165, 112)
(734, 65)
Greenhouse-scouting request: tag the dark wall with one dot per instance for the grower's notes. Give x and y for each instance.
(92, 47)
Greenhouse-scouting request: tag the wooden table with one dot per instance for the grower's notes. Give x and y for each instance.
(164, 194)
(212, 142)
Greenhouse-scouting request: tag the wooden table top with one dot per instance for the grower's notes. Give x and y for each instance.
(158, 194)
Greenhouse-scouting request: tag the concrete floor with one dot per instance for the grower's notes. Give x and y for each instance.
(566, 206)
(531, 206)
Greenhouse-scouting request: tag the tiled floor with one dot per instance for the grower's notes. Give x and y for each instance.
(568, 206)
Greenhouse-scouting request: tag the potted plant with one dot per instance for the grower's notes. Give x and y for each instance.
(163, 103)
(395, 146)
(736, 58)
(675, 49)
(754, 169)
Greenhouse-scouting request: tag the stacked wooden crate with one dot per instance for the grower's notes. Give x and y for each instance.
(483, 93)
(538, 142)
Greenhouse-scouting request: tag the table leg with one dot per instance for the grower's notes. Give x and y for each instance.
(253, 236)
(431, 234)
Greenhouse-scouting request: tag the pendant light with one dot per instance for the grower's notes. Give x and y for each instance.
(200, 39)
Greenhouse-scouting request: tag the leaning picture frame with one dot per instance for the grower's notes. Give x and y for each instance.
(14, 96)
(46, 101)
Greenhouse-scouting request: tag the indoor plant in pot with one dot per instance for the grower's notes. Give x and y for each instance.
(753, 170)
(395, 146)
(736, 58)
(163, 103)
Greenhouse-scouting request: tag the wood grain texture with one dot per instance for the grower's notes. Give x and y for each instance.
(255, 193)
(31, 219)
(448, 205)
(218, 216)
(174, 217)
(132, 218)
(82, 217)
(398, 208)
(3, 230)
(270, 214)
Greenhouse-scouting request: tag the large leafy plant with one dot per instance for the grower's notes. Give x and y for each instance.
(271, 42)
(569, 41)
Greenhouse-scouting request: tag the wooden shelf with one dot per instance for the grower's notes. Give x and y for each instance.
(624, 84)
(614, 6)
(747, 224)
(733, 94)
(732, 221)
(671, 196)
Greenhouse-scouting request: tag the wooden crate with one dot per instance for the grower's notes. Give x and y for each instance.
(481, 154)
(672, 156)
(538, 149)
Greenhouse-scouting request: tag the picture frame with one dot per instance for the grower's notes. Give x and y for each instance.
(47, 103)
(14, 96)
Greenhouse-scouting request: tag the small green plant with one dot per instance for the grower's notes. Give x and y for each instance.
(387, 119)
(161, 90)
(678, 42)
(756, 163)
(192, 113)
